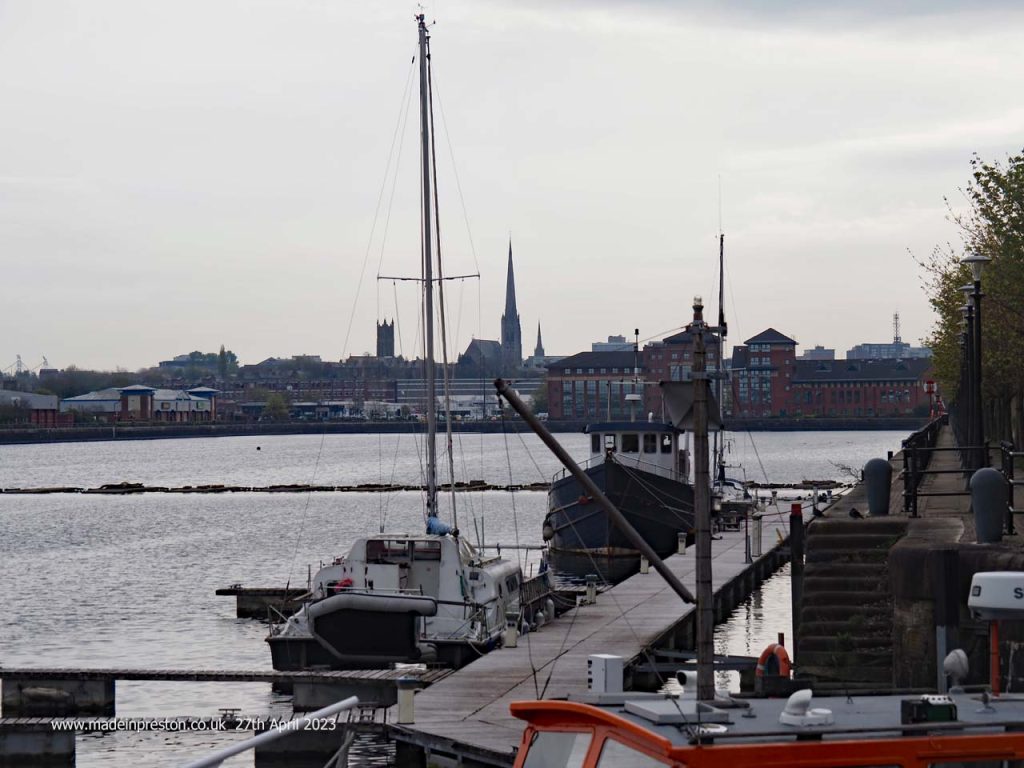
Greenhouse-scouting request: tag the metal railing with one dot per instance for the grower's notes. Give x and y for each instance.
(298, 724)
(1008, 455)
(973, 456)
(918, 449)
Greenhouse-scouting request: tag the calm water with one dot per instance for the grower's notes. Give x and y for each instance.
(128, 581)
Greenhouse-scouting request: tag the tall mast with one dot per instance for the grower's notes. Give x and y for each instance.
(636, 373)
(722, 331)
(428, 277)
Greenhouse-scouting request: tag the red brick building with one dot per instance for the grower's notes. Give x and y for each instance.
(831, 388)
(671, 359)
(593, 385)
(30, 408)
(762, 372)
(768, 380)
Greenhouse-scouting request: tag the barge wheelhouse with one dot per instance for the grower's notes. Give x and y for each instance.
(642, 467)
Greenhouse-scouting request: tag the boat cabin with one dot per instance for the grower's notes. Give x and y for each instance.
(645, 445)
(468, 588)
(652, 731)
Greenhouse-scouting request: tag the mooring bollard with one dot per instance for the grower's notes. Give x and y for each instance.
(877, 476)
(645, 564)
(591, 588)
(407, 687)
(989, 500)
(681, 547)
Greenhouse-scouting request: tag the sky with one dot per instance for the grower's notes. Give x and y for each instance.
(177, 176)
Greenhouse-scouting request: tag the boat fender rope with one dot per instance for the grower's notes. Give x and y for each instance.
(774, 656)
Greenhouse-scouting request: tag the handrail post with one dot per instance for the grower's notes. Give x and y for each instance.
(914, 480)
(1006, 449)
(906, 478)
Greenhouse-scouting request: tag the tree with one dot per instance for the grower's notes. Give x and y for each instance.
(276, 407)
(993, 226)
(540, 398)
(14, 414)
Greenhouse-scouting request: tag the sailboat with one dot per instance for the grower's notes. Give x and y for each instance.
(396, 597)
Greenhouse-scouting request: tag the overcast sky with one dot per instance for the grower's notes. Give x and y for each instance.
(177, 176)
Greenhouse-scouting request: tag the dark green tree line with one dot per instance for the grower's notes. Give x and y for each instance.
(993, 226)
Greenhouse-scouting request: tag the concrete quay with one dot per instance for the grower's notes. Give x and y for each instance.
(885, 597)
(465, 717)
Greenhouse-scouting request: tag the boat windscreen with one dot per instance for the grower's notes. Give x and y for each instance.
(557, 748)
(466, 551)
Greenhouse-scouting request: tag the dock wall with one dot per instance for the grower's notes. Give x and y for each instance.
(128, 432)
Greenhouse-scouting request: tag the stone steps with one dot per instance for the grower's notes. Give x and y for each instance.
(874, 525)
(841, 582)
(850, 598)
(874, 625)
(836, 554)
(846, 617)
(845, 571)
(844, 642)
(856, 541)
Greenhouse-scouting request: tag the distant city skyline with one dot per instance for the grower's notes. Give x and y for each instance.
(169, 185)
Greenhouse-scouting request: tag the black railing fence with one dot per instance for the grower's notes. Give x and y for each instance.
(1009, 457)
(918, 450)
(974, 452)
(920, 447)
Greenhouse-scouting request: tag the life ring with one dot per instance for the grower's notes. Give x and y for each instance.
(774, 656)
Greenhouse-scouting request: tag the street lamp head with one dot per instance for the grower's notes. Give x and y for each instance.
(968, 296)
(976, 262)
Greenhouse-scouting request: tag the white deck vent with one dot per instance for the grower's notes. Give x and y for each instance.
(604, 673)
(798, 711)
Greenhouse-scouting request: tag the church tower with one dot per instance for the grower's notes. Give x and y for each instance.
(386, 339)
(538, 352)
(511, 333)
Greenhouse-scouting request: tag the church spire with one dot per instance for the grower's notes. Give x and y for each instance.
(539, 351)
(511, 332)
(510, 287)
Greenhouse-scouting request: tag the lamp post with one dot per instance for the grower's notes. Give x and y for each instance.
(964, 390)
(968, 380)
(977, 262)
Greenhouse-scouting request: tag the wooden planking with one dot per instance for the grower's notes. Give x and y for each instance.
(471, 706)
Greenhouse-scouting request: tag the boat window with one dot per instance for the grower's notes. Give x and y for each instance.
(650, 443)
(609, 442)
(386, 550)
(512, 582)
(631, 443)
(595, 443)
(615, 753)
(426, 550)
(666, 443)
(557, 749)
